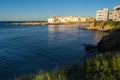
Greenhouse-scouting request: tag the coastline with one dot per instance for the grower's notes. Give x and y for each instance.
(97, 25)
(38, 23)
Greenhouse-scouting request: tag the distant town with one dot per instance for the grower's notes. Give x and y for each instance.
(101, 15)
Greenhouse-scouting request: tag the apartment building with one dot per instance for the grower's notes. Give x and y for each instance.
(115, 14)
(102, 14)
(105, 14)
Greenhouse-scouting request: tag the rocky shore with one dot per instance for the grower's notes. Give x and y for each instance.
(104, 25)
(109, 42)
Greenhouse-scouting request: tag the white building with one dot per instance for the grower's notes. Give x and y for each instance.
(64, 19)
(115, 14)
(51, 20)
(102, 14)
(69, 19)
(83, 19)
(105, 14)
(116, 7)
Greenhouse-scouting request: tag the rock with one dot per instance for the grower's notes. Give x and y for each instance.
(109, 42)
(103, 26)
(90, 48)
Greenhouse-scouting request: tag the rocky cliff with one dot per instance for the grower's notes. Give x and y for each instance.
(110, 42)
(104, 25)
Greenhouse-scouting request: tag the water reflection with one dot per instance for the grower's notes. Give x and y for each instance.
(74, 32)
(61, 32)
(62, 28)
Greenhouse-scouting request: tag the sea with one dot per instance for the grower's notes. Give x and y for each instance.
(31, 49)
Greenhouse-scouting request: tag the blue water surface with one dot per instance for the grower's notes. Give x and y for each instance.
(30, 49)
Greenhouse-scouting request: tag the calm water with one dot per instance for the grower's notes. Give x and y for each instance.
(29, 49)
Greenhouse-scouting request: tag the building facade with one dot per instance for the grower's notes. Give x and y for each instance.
(105, 14)
(102, 14)
(115, 14)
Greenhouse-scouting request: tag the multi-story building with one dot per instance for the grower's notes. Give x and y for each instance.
(115, 14)
(102, 14)
(105, 14)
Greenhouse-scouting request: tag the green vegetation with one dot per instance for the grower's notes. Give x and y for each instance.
(111, 23)
(114, 24)
(57, 74)
(98, 67)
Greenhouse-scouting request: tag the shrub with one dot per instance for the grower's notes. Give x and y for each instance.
(57, 74)
(99, 67)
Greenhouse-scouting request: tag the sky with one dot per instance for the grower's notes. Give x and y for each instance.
(38, 10)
